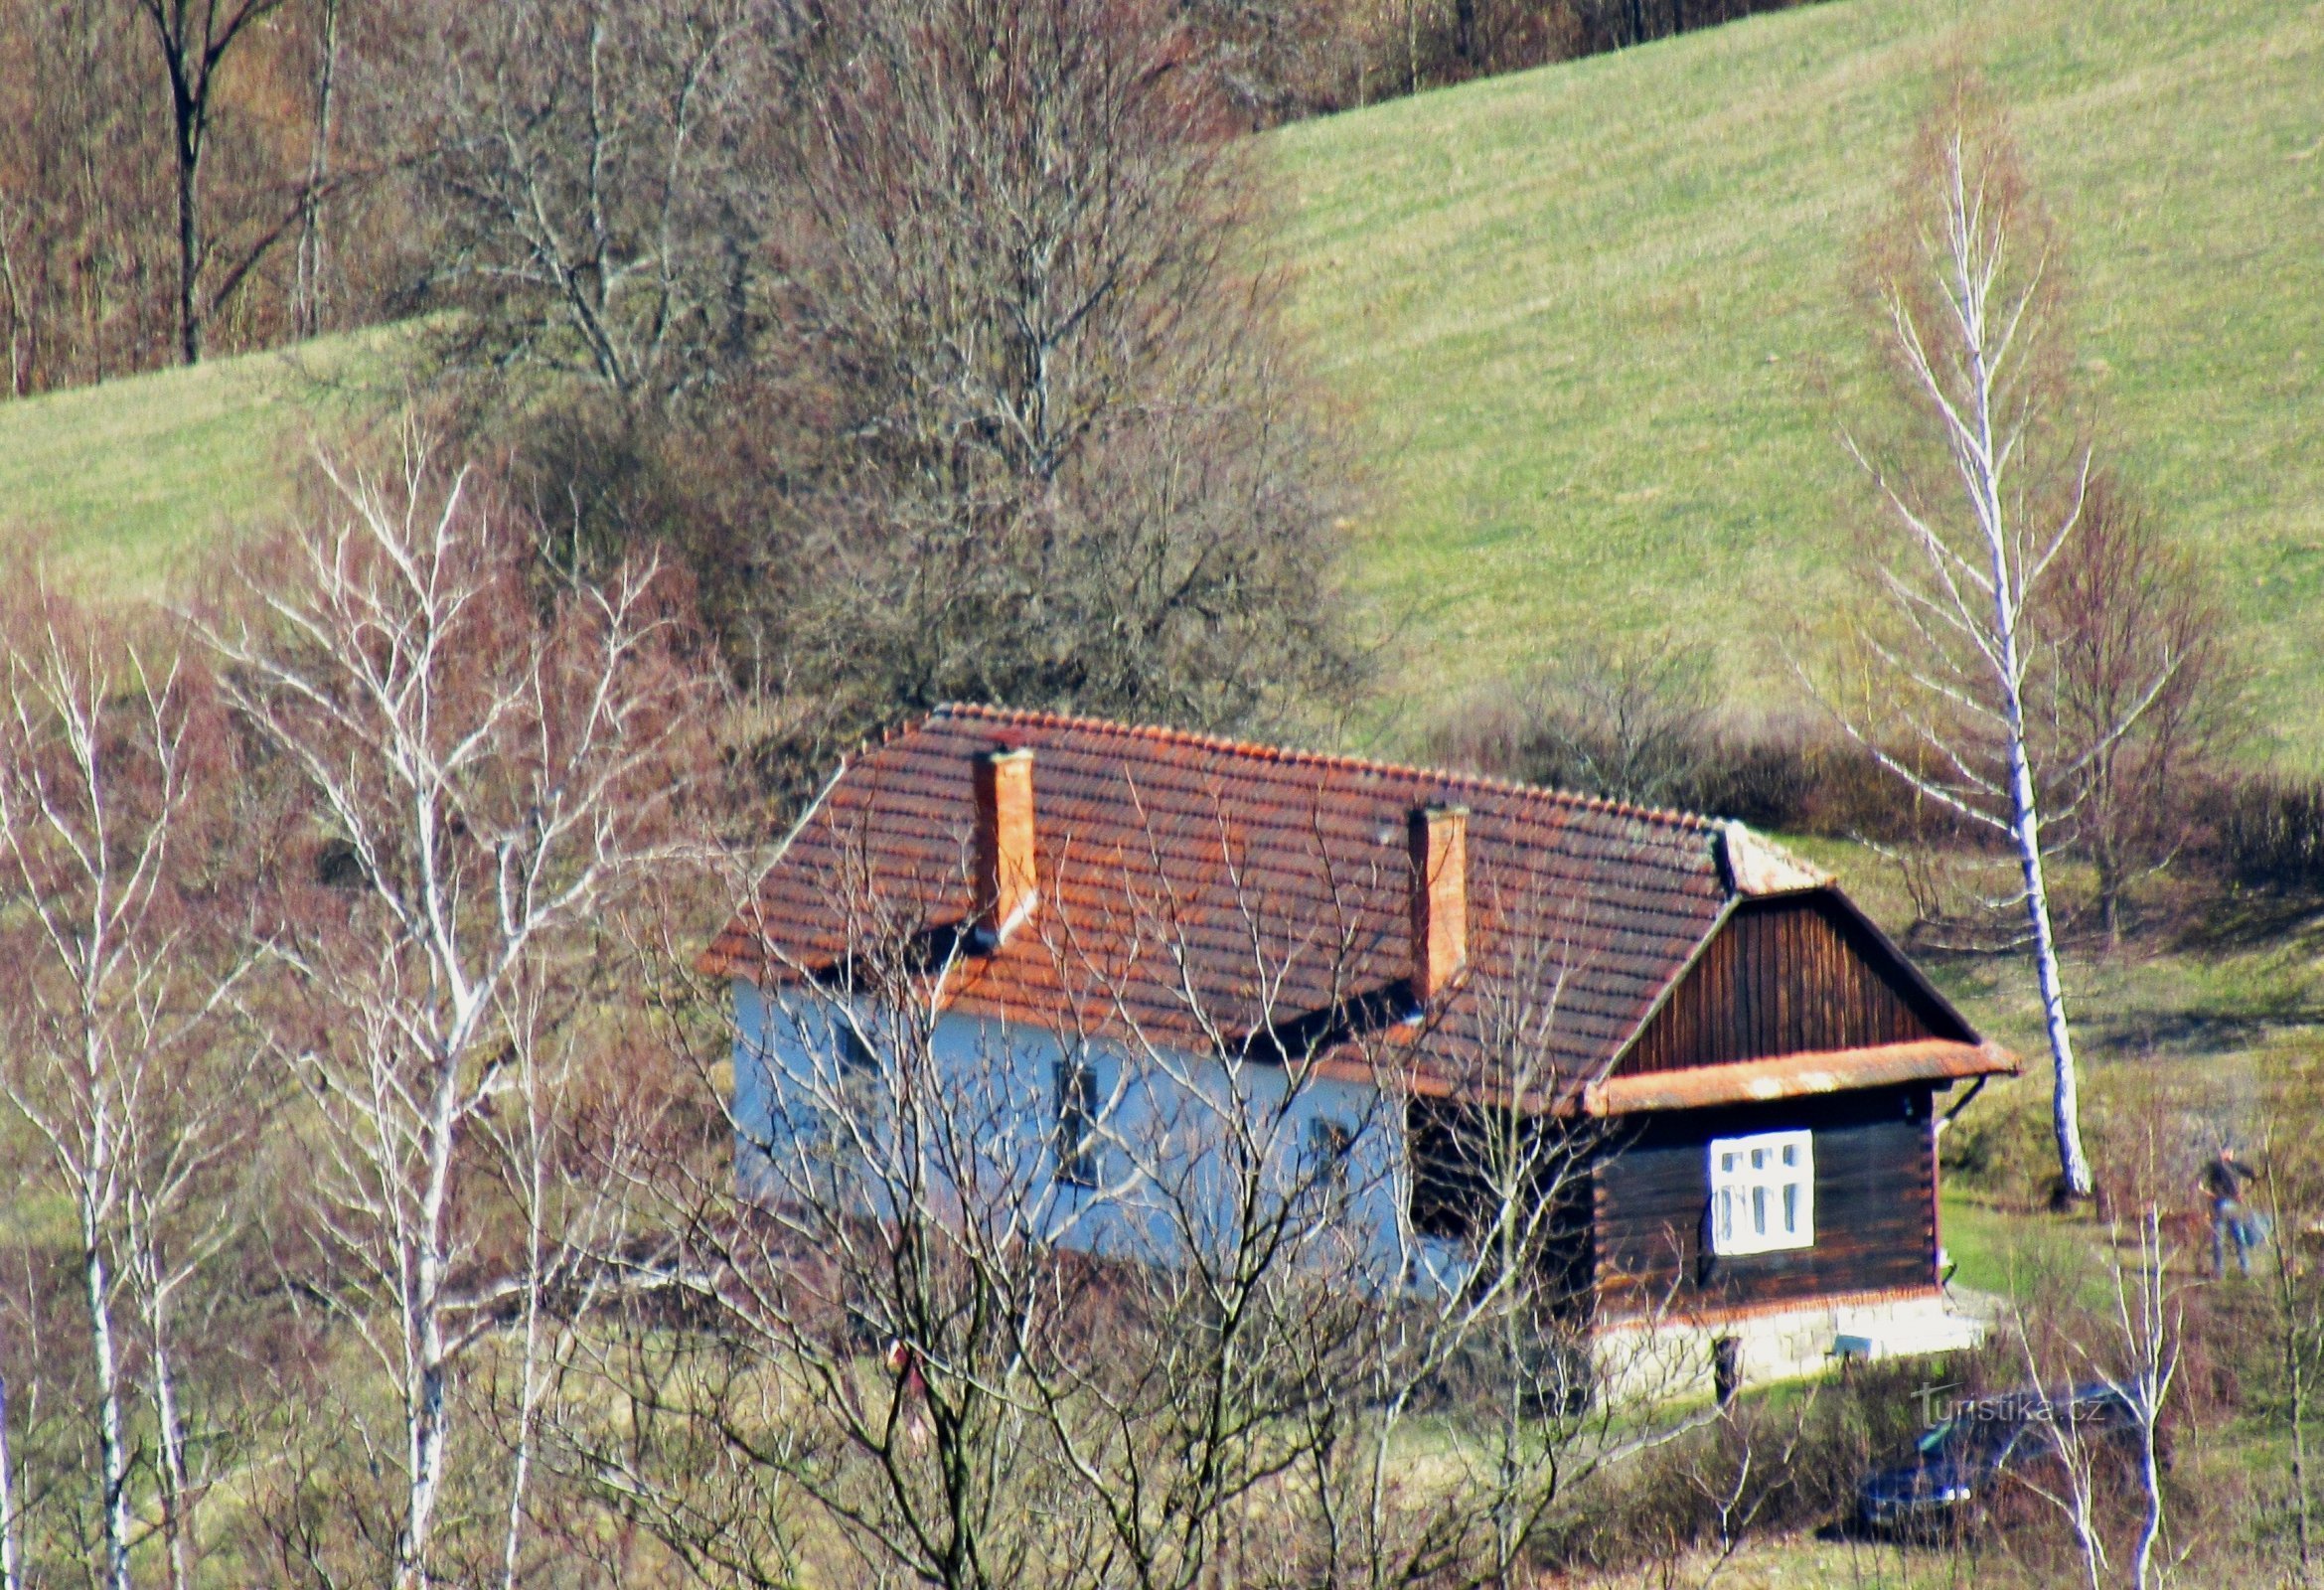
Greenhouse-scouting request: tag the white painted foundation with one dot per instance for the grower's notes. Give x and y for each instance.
(1673, 1358)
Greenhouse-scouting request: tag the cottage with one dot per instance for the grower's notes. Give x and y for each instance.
(1751, 1072)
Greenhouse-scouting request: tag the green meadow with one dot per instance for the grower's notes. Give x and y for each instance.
(1591, 327)
(1594, 320)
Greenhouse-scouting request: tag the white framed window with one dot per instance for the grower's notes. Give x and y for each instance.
(1763, 1193)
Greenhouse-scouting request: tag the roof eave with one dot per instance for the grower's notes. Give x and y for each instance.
(1791, 1076)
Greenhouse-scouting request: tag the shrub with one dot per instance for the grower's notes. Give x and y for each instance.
(2269, 830)
(1640, 722)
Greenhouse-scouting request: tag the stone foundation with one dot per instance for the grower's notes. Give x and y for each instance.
(1673, 1358)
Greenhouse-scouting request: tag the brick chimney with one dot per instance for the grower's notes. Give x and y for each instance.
(1008, 886)
(1440, 899)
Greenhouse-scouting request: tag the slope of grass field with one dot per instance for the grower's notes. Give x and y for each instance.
(1582, 317)
(1583, 312)
(124, 482)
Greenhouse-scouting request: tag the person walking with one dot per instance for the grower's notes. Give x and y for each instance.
(2233, 1222)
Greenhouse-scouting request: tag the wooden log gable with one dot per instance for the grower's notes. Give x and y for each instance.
(1790, 974)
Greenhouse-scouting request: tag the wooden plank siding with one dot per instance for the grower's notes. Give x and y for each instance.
(1875, 1205)
(1787, 976)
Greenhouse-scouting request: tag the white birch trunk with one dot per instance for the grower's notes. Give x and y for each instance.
(2025, 833)
(2065, 1092)
(2152, 1337)
(104, 1365)
(427, 1419)
(11, 1563)
(528, 1387)
(176, 1490)
(2009, 579)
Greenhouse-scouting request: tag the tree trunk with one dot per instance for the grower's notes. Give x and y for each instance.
(1983, 466)
(2065, 1093)
(530, 1388)
(2295, 1370)
(112, 1449)
(2302, 1523)
(426, 1419)
(11, 1565)
(189, 160)
(309, 287)
(177, 1505)
(18, 319)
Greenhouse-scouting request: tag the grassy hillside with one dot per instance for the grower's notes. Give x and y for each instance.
(122, 483)
(1583, 311)
(1582, 316)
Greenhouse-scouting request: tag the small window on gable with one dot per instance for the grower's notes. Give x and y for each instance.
(1763, 1193)
(1077, 1118)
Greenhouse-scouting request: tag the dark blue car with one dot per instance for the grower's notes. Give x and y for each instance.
(1956, 1465)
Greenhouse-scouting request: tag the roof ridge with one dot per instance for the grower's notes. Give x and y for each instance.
(1669, 816)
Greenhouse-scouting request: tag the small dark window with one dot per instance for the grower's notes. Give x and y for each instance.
(1328, 1143)
(1448, 1194)
(1077, 1116)
(855, 1056)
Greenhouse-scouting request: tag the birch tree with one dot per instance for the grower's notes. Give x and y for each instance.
(1981, 484)
(2100, 1388)
(120, 961)
(494, 767)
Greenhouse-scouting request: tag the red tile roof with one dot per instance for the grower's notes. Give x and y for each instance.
(1200, 890)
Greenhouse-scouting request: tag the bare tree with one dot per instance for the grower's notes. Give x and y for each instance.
(1732, 1483)
(1630, 720)
(2102, 1337)
(1041, 436)
(494, 769)
(2090, 1387)
(307, 291)
(193, 39)
(1981, 489)
(11, 1521)
(83, 170)
(1008, 1347)
(605, 186)
(2291, 1189)
(13, 222)
(122, 960)
(2132, 690)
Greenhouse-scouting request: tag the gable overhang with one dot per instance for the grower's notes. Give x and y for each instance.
(1939, 1062)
